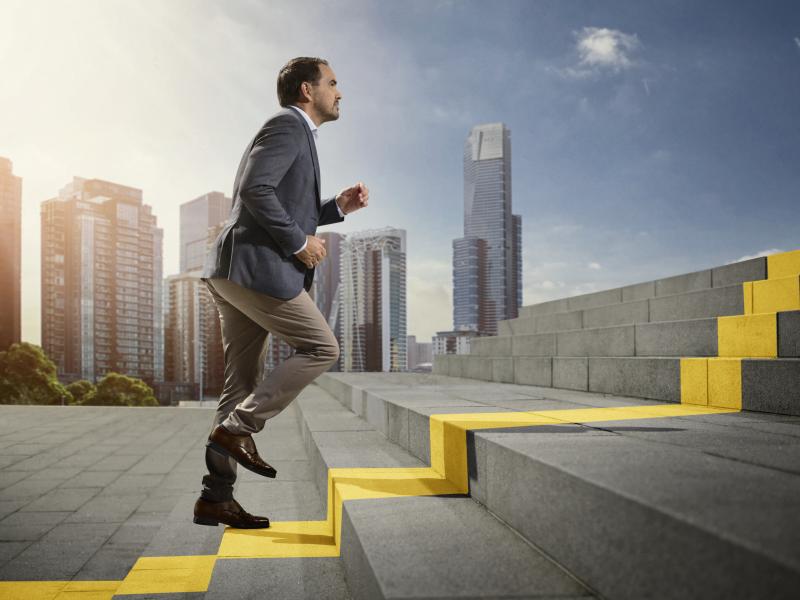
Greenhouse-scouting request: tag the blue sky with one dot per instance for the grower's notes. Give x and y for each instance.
(648, 138)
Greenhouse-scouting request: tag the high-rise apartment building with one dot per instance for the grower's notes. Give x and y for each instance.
(184, 339)
(194, 364)
(10, 254)
(101, 282)
(372, 303)
(196, 217)
(487, 275)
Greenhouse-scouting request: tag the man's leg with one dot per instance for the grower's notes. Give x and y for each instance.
(244, 342)
(299, 322)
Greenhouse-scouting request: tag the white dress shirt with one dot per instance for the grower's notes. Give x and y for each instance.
(314, 130)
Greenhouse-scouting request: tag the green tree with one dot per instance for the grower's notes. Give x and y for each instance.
(116, 389)
(81, 391)
(28, 376)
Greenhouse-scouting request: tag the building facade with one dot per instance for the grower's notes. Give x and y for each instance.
(10, 255)
(487, 277)
(372, 305)
(419, 354)
(102, 283)
(196, 216)
(453, 342)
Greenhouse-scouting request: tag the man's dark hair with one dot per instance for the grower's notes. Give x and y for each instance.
(294, 73)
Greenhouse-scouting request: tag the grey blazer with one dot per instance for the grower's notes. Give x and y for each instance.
(276, 202)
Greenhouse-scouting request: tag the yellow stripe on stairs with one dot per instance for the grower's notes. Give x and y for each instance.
(295, 539)
(717, 381)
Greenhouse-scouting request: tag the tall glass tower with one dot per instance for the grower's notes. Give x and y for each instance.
(487, 276)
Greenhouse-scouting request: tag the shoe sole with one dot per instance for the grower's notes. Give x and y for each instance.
(212, 522)
(221, 450)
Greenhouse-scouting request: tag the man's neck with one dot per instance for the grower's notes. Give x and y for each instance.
(311, 116)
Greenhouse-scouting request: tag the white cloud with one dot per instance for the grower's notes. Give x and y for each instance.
(757, 255)
(602, 49)
(594, 266)
(797, 41)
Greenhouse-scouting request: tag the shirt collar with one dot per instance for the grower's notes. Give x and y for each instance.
(311, 123)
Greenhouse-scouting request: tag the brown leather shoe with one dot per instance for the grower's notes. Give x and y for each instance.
(229, 512)
(240, 448)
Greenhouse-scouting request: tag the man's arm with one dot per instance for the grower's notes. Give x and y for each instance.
(273, 153)
(330, 212)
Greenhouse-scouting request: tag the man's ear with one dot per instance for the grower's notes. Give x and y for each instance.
(305, 90)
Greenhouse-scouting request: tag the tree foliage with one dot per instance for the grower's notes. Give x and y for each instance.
(82, 391)
(28, 376)
(116, 389)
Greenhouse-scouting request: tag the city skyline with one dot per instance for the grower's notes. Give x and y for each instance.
(649, 139)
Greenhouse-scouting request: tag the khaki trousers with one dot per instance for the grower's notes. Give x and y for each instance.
(247, 400)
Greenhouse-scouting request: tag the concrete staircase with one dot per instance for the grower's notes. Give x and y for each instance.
(727, 336)
(628, 498)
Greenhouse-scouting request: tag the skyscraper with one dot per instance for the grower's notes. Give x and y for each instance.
(193, 346)
(184, 322)
(10, 254)
(487, 274)
(101, 282)
(196, 217)
(372, 303)
(326, 288)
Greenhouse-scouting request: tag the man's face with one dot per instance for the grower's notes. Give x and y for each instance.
(324, 96)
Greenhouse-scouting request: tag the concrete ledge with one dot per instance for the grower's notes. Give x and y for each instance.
(771, 385)
(544, 308)
(603, 298)
(494, 345)
(571, 373)
(747, 270)
(680, 284)
(503, 370)
(655, 378)
(601, 341)
(536, 344)
(696, 337)
(533, 370)
(639, 291)
(634, 311)
(789, 334)
(716, 302)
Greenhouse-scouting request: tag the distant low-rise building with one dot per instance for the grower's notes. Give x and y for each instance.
(453, 342)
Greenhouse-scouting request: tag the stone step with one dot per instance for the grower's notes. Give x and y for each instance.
(694, 506)
(694, 337)
(417, 545)
(762, 384)
(728, 275)
(691, 337)
(699, 304)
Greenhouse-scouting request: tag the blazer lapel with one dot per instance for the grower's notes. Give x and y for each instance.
(313, 147)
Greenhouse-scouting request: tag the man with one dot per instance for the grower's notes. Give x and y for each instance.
(259, 271)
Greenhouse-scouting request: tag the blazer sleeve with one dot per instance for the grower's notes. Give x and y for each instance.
(329, 213)
(273, 152)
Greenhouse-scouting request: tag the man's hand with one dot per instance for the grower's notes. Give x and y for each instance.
(314, 251)
(352, 198)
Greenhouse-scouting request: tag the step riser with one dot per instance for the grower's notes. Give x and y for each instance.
(702, 304)
(766, 385)
(764, 336)
(736, 273)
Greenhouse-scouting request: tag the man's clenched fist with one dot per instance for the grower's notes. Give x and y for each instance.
(314, 251)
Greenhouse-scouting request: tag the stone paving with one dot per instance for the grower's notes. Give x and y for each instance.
(86, 491)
